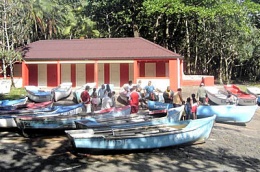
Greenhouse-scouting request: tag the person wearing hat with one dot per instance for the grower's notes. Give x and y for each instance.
(201, 93)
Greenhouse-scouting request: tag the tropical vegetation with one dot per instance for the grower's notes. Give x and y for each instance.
(216, 37)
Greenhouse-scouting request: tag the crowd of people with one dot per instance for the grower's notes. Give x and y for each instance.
(136, 96)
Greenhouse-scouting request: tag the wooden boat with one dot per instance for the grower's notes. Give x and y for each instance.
(228, 113)
(255, 91)
(243, 98)
(45, 122)
(216, 95)
(37, 95)
(7, 116)
(173, 114)
(156, 105)
(143, 137)
(77, 92)
(62, 91)
(33, 120)
(12, 104)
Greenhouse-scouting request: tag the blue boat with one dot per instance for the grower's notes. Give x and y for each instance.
(61, 121)
(172, 115)
(228, 113)
(143, 137)
(156, 105)
(35, 94)
(12, 104)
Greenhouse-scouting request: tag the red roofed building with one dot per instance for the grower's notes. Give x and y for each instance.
(105, 60)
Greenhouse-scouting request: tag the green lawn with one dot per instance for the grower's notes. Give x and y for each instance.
(15, 93)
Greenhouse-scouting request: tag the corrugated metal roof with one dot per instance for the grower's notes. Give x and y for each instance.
(97, 49)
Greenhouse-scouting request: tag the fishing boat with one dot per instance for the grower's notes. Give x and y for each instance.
(157, 105)
(255, 91)
(8, 120)
(29, 107)
(228, 113)
(12, 104)
(216, 96)
(45, 122)
(243, 98)
(35, 94)
(62, 91)
(143, 137)
(173, 114)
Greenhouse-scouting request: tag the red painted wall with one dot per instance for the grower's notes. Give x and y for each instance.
(89, 73)
(124, 73)
(142, 69)
(33, 74)
(52, 75)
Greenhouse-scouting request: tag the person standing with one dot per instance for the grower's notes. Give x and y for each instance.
(85, 99)
(134, 98)
(101, 92)
(194, 105)
(107, 101)
(201, 94)
(188, 108)
(177, 98)
(168, 95)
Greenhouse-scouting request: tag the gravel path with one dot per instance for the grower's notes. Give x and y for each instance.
(229, 148)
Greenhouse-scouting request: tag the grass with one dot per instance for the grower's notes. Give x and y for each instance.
(15, 93)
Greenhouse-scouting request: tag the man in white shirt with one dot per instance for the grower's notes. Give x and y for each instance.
(107, 102)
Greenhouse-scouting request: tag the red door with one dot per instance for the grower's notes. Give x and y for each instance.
(52, 75)
(33, 74)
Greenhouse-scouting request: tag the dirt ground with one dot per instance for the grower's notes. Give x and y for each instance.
(229, 148)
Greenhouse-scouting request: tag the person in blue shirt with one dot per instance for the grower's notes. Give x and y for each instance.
(149, 89)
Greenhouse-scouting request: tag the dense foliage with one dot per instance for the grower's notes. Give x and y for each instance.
(216, 37)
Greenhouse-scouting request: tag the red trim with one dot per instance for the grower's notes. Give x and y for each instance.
(89, 73)
(52, 75)
(73, 74)
(124, 73)
(136, 71)
(160, 69)
(106, 73)
(25, 74)
(33, 74)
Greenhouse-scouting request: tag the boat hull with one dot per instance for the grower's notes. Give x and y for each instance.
(194, 131)
(228, 113)
(156, 105)
(243, 98)
(216, 95)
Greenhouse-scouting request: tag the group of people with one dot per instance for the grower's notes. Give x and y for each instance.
(104, 97)
(135, 95)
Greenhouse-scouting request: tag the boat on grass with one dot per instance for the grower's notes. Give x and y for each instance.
(62, 91)
(255, 91)
(228, 113)
(143, 137)
(243, 98)
(35, 94)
